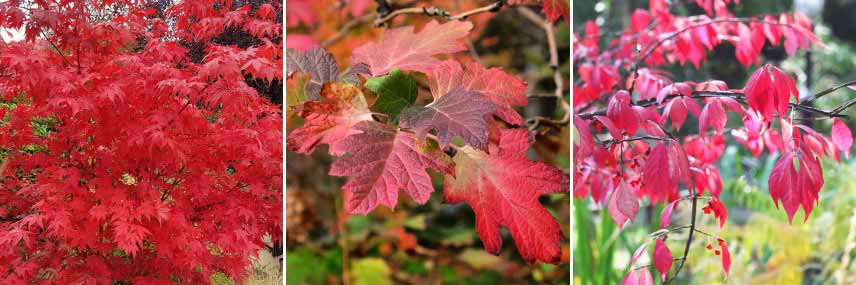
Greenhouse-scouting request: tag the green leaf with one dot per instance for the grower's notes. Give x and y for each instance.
(370, 271)
(395, 91)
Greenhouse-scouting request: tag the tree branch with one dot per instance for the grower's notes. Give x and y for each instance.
(433, 11)
(674, 34)
(739, 96)
(59, 51)
(829, 90)
(690, 237)
(615, 141)
(554, 65)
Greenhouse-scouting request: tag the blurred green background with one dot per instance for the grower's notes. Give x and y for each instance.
(765, 249)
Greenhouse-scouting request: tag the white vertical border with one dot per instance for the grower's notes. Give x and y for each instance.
(284, 232)
(573, 131)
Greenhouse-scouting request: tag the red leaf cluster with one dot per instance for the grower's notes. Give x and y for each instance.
(631, 140)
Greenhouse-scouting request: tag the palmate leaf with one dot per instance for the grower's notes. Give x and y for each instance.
(458, 113)
(395, 92)
(503, 189)
(382, 161)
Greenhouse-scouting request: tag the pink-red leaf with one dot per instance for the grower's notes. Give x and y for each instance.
(666, 216)
(662, 258)
(499, 87)
(712, 115)
(657, 174)
(623, 204)
(842, 137)
(404, 49)
(503, 190)
(458, 113)
(640, 276)
(769, 90)
(726, 257)
(331, 120)
(621, 113)
(719, 211)
(381, 162)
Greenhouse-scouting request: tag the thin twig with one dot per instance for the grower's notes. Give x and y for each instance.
(829, 90)
(433, 11)
(690, 237)
(615, 141)
(59, 51)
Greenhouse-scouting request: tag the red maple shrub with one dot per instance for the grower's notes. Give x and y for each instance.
(629, 113)
(134, 146)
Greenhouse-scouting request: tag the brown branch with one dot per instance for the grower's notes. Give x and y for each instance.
(690, 237)
(433, 11)
(59, 51)
(615, 141)
(554, 65)
(829, 90)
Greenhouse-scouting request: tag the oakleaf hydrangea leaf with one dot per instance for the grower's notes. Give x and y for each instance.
(459, 113)
(404, 49)
(503, 189)
(350, 75)
(331, 120)
(317, 63)
(382, 161)
(499, 87)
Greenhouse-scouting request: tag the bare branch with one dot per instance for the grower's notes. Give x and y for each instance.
(433, 11)
(554, 65)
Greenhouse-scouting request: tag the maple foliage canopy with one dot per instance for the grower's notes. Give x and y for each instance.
(629, 112)
(137, 145)
(469, 133)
